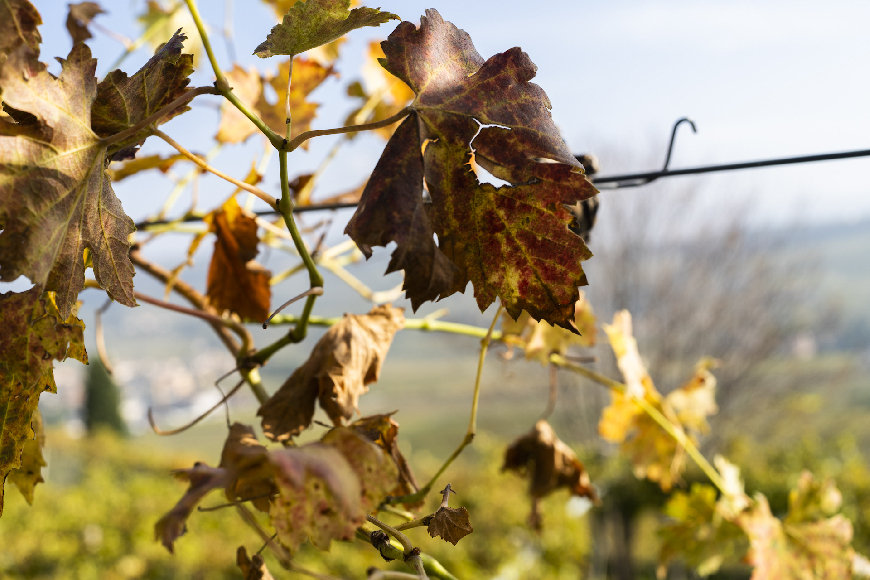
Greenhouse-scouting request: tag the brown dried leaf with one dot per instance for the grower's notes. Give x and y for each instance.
(235, 283)
(252, 568)
(450, 524)
(30, 473)
(34, 334)
(343, 362)
(18, 22)
(163, 21)
(125, 169)
(247, 462)
(78, 19)
(247, 85)
(203, 479)
(548, 462)
(320, 496)
(384, 431)
(377, 473)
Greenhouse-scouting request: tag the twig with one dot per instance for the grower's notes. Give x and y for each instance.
(233, 503)
(279, 552)
(303, 137)
(196, 159)
(100, 339)
(178, 430)
(158, 115)
(316, 291)
(403, 539)
(207, 316)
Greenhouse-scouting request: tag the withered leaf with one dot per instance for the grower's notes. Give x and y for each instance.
(124, 101)
(247, 462)
(203, 479)
(307, 25)
(373, 466)
(134, 166)
(18, 22)
(548, 462)
(162, 21)
(78, 19)
(30, 473)
(541, 339)
(235, 282)
(320, 496)
(252, 568)
(696, 400)
(57, 197)
(450, 524)
(346, 359)
(34, 334)
(511, 242)
(384, 431)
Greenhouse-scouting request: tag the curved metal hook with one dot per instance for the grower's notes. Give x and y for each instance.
(673, 136)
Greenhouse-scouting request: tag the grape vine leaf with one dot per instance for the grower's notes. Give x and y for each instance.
(450, 524)
(249, 87)
(511, 242)
(130, 167)
(18, 22)
(698, 532)
(346, 359)
(539, 340)
(235, 282)
(252, 568)
(79, 17)
(696, 399)
(30, 473)
(57, 197)
(384, 431)
(124, 101)
(203, 480)
(160, 22)
(307, 25)
(320, 496)
(34, 334)
(249, 469)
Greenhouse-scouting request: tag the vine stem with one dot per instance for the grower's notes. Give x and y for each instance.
(221, 82)
(410, 323)
(287, 112)
(162, 112)
(472, 422)
(196, 159)
(403, 539)
(303, 137)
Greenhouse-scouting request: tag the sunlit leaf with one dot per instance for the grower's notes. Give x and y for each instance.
(125, 169)
(384, 431)
(247, 462)
(30, 473)
(162, 18)
(696, 400)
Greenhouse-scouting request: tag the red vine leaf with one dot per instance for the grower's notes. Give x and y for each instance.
(511, 242)
(78, 19)
(34, 334)
(384, 431)
(450, 524)
(57, 197)
(124, 101)
(317, 22)
(346, 359)
(247, 462)
(235, 282)
(203, 479)
(252, 568)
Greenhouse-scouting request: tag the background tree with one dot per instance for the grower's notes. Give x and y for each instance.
(102, 408)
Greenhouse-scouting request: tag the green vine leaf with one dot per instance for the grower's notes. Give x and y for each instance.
(34, 334)
(317, 22)
(511, 242)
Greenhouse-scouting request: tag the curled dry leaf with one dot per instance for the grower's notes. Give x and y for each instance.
(34, 334)
(549, 464)
(252, 568)
(343, 362)
(203, 479)
(247, 462)
(310, 24)
(384, 431)
(78, 19)
(511, 242)
(235, 282)
(541, 339)
(450, 524)
(30, 473)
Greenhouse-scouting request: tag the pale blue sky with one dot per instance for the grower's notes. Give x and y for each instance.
(761, 79)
